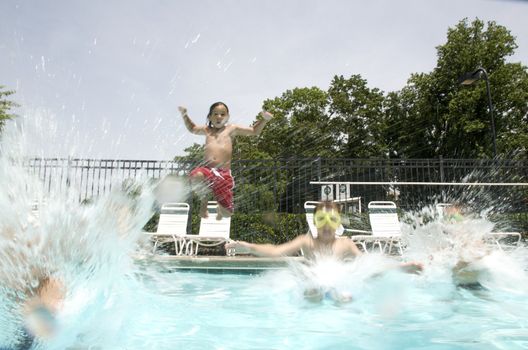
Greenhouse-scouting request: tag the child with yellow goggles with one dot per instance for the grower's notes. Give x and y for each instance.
(325, 244)
(327, 217)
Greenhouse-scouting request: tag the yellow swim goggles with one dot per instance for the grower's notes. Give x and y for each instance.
(323, 217)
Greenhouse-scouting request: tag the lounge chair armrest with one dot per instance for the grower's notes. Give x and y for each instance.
(357, 231)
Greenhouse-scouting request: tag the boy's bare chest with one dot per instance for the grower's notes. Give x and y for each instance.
(335, 249)
(219, 137)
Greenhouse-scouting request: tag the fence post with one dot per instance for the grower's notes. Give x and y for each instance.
(68, 167)
(318, 168)
(441, 164)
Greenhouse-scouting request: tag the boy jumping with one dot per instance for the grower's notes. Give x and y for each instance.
(216, 172)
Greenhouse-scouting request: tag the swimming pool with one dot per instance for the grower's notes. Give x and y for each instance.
(115, 302)
(172, 308)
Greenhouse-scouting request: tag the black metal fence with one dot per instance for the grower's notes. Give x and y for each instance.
(283, 185)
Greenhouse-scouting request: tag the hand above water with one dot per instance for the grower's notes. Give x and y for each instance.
(266, 115)
(239, 247)
(182, 110)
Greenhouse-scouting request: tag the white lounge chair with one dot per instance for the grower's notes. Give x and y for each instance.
(386, 230)
(212, 232)
(172, 225)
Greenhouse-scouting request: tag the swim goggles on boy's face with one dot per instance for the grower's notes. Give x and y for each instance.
(323, 217)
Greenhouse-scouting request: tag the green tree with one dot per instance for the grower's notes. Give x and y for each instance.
(5, 105)
(434, 116)
(345, 121)
(411, 125)
(357, 115)
(194, 153)
(301, 127)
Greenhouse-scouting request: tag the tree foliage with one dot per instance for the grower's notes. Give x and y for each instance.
(357, 110)
(301, 126)
(5, 105)
(193, 153)
(434, 116)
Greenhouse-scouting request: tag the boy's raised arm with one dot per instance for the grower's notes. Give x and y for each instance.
(189, 124)
(256, 129)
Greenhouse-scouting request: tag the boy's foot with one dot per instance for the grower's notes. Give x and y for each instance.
(222, 212)
(203, 209)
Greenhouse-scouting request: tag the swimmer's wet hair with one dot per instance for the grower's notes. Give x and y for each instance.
(328, 205)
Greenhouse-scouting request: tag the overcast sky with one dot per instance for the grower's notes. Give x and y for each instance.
(104, 78)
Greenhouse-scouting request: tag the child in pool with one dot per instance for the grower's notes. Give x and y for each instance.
(216, 172)
(327, 220)
(453, 214)
(37, 292)
(466, 247)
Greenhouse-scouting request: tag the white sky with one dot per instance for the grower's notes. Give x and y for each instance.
(103, 78)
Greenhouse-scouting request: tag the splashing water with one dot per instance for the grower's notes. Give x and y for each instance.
(458, 251)
(87, 247)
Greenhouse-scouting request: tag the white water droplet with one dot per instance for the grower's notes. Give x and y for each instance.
(227, 67)
(195, 40)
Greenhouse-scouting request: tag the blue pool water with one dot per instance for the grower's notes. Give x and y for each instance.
(395, 311)
(194, 310)
(153, 308)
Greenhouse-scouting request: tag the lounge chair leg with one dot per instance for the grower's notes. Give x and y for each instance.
(179, 245)
(190, 248)
(182, 243)
(175, 248)
(364, 245)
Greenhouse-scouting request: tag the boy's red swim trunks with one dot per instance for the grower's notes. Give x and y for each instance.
(221, 183)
